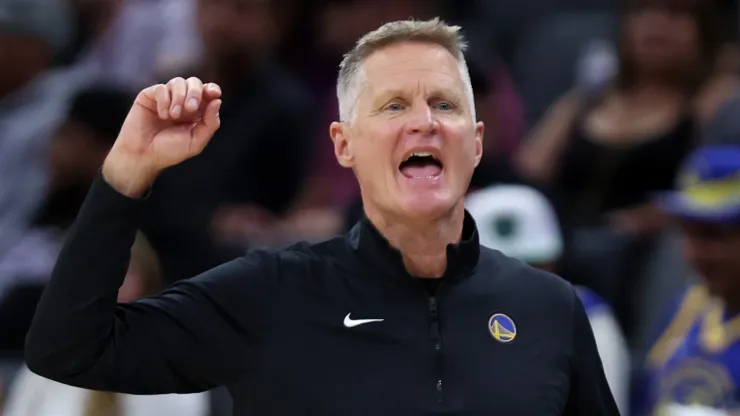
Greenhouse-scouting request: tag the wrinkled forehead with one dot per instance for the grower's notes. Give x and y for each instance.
(412, 67)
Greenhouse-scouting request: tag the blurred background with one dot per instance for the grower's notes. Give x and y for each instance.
(595, 104)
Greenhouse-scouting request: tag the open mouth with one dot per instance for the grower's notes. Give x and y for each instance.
(421, 165)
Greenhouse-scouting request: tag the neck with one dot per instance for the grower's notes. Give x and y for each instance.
(658, 82)
(422, 244)
(654, 92)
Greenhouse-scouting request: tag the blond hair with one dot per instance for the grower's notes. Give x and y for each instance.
(432, 31)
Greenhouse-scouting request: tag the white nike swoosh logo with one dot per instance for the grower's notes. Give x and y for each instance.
(349, 322)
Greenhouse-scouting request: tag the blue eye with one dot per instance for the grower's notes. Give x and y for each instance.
(444, 106)
(394, 107)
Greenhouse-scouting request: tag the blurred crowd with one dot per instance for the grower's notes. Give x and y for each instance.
(591, 107)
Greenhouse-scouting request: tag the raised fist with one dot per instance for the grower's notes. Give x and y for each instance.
(166, 125)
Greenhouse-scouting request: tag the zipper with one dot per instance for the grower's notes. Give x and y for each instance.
(435, 337)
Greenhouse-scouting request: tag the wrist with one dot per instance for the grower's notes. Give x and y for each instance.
(127, 176)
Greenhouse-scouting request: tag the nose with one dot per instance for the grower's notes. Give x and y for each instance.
(421, 120)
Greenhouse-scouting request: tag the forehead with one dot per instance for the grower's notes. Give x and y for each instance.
(409, 64)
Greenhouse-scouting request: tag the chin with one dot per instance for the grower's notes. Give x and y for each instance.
(430, 205)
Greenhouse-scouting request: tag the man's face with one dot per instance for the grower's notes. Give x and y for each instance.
(412, 101)
(714, 252)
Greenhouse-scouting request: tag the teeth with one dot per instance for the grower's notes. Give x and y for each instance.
(420, 154)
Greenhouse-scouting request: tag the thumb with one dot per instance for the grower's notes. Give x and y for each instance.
(207, 126)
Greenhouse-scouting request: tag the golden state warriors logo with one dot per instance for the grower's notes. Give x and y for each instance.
(697, 381)
(502, 328)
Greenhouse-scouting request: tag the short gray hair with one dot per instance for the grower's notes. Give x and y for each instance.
(432, 31)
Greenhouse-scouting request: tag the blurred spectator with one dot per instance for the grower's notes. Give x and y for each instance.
(607, 150)
(252, 171)
(32, 395)
(76, 153)
(519, 221)
(33, 102)
(694, 361)
(665, 86)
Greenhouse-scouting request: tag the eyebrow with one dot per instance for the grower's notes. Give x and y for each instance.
(387, 94)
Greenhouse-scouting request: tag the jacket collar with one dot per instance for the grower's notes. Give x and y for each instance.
(375, 250)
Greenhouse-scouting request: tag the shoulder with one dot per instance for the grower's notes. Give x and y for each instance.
(304, 251)
(544, 290)
(295, 254)
(304, 258)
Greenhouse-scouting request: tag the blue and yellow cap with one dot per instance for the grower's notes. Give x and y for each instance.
(708, 186)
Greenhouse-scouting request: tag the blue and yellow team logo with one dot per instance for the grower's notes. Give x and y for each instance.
(502, 328)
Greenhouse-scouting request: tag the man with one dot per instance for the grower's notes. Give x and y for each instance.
(519, 221)
(693, 367)
(404, 315)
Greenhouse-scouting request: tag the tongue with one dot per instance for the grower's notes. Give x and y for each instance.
(421, 171)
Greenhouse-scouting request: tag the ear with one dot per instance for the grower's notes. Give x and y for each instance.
(479, 129)
(339, 133)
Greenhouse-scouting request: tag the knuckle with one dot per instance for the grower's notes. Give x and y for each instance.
(151, 89)
(176, 82)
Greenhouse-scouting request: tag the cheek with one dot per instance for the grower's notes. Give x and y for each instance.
(461, 142)
(376, 145)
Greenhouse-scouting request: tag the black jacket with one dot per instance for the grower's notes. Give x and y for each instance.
(284, 330)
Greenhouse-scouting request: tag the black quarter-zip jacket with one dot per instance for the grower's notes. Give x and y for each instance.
(334, 328)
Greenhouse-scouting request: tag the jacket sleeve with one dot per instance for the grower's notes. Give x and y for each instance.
(590, 394)
(194, 336)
